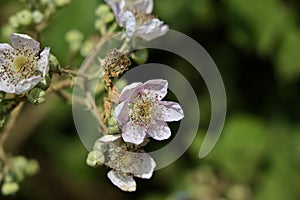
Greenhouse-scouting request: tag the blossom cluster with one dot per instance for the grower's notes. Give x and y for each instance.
(141, 112)
(137, 112)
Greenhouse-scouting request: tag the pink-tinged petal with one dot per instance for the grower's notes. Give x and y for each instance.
(129, 90)
(22, 41)
(128, 21)
(141, 6)
(121, 112)
(159, 131)
(121, 180)
(169, 111)
(151, 30)
(27, 84)
(108, 138)
(156, 87)
(42, 64)
(117, 8)
(133, 133)
(146, 166)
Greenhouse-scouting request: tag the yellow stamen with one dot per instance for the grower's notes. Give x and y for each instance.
(20, 63)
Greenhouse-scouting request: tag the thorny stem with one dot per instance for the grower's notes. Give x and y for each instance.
(9, 126)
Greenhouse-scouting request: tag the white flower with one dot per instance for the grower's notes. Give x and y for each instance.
(124, 164)
(141, 111)
(135, 16)
(22, 66)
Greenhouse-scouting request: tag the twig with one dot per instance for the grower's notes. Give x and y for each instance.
(9, 126)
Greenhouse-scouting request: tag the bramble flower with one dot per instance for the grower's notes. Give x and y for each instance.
(141, 111)
(124, 164)
(22, 66)
(135, 16)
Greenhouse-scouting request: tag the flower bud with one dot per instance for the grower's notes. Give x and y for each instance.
(6, 31)
(112, 121)
(102, 10)
(95, 158)
(86, 48)
(53, 63)
(19, 162)
(13, 21)
(37, 17)
(36, 96)
(74, 38)
(32, 168)
(104, 13)
(113, 129)
(45, 2)
(62, 3)
(9, 188)
(44, 83)
(74, 35)
(24, 17)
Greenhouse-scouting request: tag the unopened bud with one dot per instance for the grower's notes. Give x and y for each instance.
(36, 96)
(37, 16)
(95, 158)
(9, 188)
(24, 17)
(13, 21)
(45, 83)
(32, 167)
(62, 3)
(53, 63)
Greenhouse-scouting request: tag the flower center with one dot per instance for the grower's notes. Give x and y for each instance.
(142, 18)
(141, 110)
(20, 63)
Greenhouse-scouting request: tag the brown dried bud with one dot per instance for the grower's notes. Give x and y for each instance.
(116, 63)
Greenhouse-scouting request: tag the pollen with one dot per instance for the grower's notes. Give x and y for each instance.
(20, 63)
(141, 110)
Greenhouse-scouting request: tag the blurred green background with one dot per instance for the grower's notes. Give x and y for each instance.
(255, 44)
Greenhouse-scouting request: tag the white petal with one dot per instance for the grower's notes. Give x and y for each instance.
(108, 138)
(6, 87)
(151, 30)
(159, 131)
(22, 41)
(6, 59)
(129, 90)
(133, 133)
(121, 112)
(123, 181)
(7, 55)
(169, 111)
(128, 21)
(147, 167)
(42, 64)
(5, 48)
(157, 87)
(27, 84)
